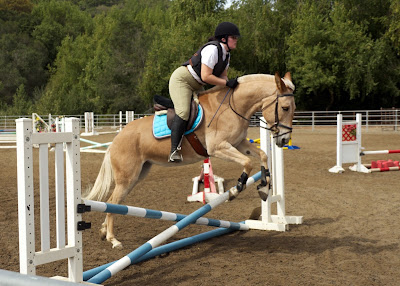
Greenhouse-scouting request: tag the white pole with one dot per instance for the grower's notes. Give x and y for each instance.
(339, 140)
(339, 146)
(120, 121)
(73, 178)
(86, 122)
(92, 122)
(26, 222)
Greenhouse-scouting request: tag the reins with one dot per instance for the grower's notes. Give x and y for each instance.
(274, 128)
(219, 107)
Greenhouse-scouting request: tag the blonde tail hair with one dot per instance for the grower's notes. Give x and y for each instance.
(103, 182)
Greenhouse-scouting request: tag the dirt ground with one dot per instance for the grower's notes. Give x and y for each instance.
(350, 234)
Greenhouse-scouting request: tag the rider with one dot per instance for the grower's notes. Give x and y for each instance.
(208, 65)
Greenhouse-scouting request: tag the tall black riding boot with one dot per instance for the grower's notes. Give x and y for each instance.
(178, 127)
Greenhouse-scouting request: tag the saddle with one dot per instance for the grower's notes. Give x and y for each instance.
(163, 104)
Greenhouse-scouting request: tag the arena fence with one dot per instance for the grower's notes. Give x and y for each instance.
(386, 119)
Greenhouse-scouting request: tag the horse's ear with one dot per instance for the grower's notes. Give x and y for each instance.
(279, 83)
(288, 76)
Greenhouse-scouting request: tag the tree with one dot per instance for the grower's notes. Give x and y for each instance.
(264, 25)
(22, 61)
(371, 14)
(54, 20)
(330, 56)
(111, 55)
(394, 25)
(21, 103)
(99, 71)
(19, 6)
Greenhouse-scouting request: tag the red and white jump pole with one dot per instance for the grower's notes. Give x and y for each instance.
(380, 152)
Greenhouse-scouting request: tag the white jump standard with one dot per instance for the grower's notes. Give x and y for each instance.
(349, 149)
(280, 221)
(72, 250)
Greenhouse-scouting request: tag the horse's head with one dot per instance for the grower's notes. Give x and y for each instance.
(280, 111)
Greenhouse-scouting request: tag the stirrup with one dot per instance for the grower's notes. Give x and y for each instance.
(175, 156)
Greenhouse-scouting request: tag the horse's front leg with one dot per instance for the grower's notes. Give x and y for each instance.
(248, 148)
(227, 152)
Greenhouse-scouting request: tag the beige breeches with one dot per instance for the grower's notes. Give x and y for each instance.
(181, 87)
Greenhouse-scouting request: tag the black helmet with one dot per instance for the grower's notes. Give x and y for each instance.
(226, 29)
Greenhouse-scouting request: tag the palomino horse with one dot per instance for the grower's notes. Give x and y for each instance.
(135, 149)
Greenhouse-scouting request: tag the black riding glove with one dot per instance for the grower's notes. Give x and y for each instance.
(232, 83)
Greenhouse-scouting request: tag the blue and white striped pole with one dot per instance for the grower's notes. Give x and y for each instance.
(166, 234)
(156, 241)
(93, 144)
(164, 249)
(148, 213)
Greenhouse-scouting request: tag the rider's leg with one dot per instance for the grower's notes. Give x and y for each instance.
(181, 87)
(177, 129)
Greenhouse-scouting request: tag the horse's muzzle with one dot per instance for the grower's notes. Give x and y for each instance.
(283, 138)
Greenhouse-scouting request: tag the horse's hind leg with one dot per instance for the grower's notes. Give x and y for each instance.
(122, 189)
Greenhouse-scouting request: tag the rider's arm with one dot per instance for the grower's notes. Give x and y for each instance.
(208, 77)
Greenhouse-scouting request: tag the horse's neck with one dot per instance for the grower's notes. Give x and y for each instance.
(246, 99)
(247, 102)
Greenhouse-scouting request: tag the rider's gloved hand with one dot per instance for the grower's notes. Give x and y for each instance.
(232, 83)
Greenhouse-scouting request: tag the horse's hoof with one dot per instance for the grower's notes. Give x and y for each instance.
(263, 193)
(233, 193)
(255, 214)
(117, 245)
(102, 234)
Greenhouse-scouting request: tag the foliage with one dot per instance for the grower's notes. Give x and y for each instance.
(263, 26)
(54, 20)
(67, 57)
(22, 59)
(394, 25)
(20, 6)
(332, 57)
(21, 103)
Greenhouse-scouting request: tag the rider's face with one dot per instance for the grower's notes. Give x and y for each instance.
(232, 42)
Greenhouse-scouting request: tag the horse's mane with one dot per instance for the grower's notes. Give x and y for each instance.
(249, 78)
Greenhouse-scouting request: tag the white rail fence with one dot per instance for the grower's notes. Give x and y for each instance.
(386, 119)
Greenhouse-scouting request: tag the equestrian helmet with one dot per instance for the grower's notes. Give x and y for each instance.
(226, 29)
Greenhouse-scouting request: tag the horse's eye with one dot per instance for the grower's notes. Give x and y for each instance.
(285, 108)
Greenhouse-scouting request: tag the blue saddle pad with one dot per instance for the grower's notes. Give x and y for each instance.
(160, 127)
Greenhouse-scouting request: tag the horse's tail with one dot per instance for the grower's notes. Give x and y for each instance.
(104, 180)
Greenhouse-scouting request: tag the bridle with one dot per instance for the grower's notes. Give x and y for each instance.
(275, 127)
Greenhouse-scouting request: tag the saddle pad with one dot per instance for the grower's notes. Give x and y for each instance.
(160, 127)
